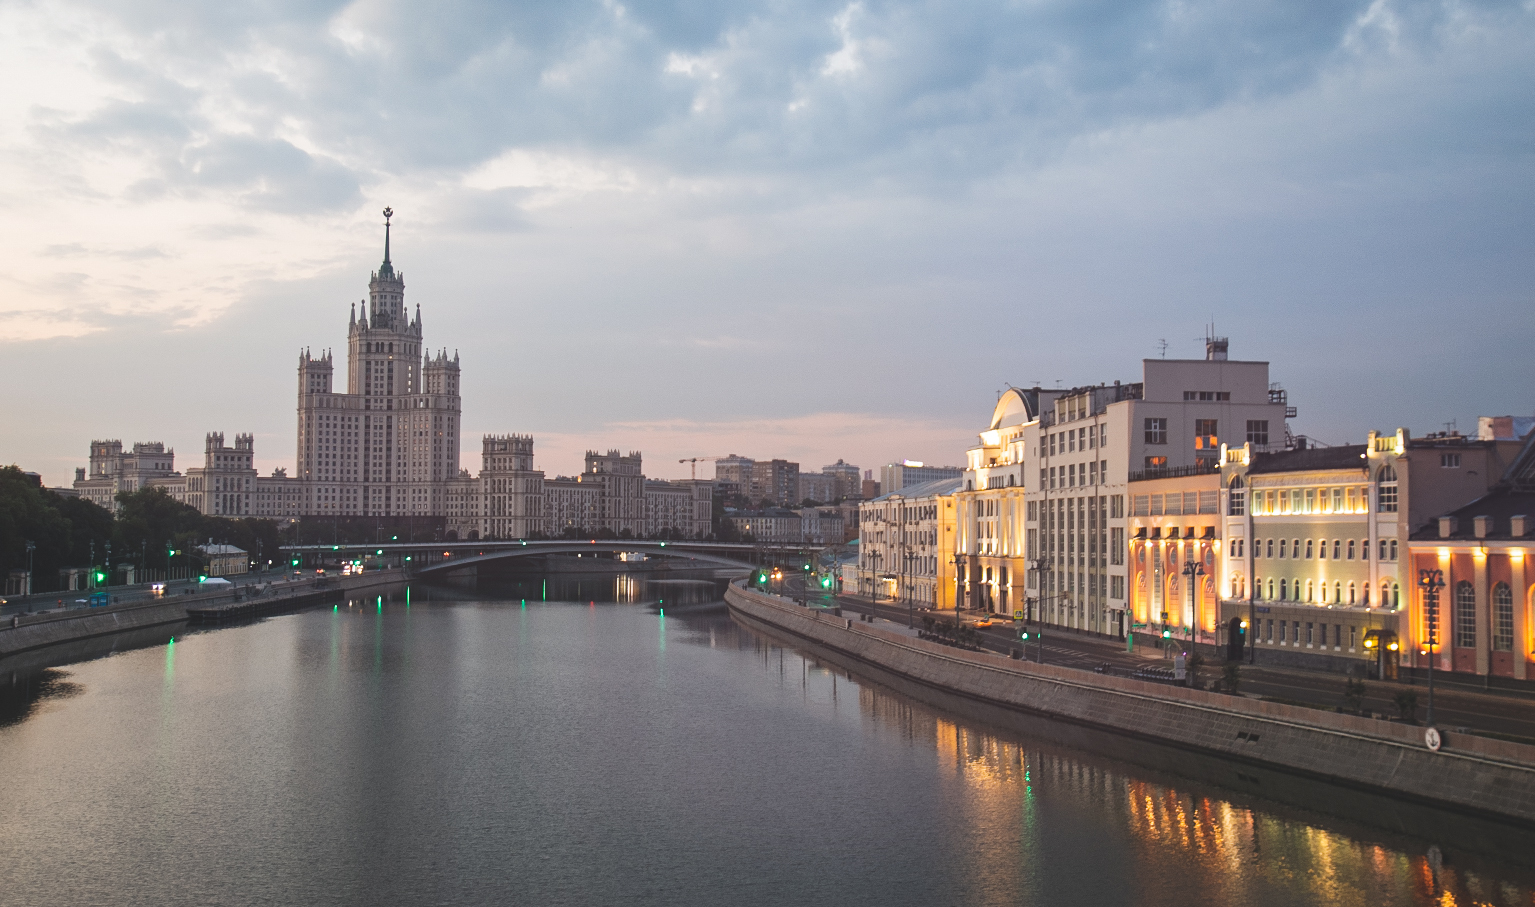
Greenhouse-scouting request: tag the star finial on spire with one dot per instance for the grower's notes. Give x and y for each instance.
(387, 268)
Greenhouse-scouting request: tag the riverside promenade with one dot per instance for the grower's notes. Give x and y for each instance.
(29, 632)
(1478, 776)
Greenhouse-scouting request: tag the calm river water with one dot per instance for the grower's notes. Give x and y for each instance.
(498, 748)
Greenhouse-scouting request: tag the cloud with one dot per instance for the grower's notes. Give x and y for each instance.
(898, 205)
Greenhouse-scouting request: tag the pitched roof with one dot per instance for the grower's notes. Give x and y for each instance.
(1345, 456)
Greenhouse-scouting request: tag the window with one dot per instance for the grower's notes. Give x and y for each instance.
(1502, 618)
(1116, 507)
(1385, 497)
(1283, 543)
(1116, 586)
(1337, 548)
(1353, 637)
(1156, 462)
(1351, 601)
(1156, 431)
(1308, 634)
(1392, 552)
(1271, 630)
(1205, 434)
(1269, 548)
(1236, 504)
(1257, 432)
(1117, 545)
(1284, 589)
(1308, 549)
(1465, 615)
(1103, 436)
(1449, 461)
(1271, 587)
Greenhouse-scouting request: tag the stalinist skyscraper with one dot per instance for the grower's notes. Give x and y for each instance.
(389, 445)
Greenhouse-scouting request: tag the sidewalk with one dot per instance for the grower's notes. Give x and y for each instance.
(1496, 712)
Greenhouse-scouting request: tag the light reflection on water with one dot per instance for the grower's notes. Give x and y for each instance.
(485, 747)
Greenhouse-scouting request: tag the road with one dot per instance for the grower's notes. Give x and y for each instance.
(1510, 714)
(54, 601)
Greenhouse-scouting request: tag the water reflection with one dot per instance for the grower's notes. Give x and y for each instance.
(451, 745)
(1013, 792)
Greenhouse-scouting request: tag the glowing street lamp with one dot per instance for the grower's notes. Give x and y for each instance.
(1431, 581)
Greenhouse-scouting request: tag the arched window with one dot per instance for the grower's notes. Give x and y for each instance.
(1465, 615)
(1236, 504)
(1385, 490)
(1502, 618)
(1284, 589)
(1396, 596)
(1337, 593)
(1351, 594)
(1308, 591)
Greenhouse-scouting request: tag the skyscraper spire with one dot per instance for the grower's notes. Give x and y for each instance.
(388, 269)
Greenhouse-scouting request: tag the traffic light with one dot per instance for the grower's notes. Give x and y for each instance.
(202, 577)
(294, 562)
(825, 582)
(1024, 635)
(1167, 634)
(101, 577)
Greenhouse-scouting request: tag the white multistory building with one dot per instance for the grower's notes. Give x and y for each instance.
(1041, 515)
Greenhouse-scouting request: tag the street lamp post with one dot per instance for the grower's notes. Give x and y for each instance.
(911, 603)
(1042, 568)
(31, 547)
(1431, 582)
(1193, 570)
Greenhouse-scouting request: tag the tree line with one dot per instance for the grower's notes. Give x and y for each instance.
(70, 532)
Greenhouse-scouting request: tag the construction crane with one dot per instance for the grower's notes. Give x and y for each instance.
(694, 461)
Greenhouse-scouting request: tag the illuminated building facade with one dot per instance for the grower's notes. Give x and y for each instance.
(906, 544)
(1481, 554)
(1042, 513)
(1316, 540)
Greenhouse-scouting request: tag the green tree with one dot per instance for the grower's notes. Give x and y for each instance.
(64, 529)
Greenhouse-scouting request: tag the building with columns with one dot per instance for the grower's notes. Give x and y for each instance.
(1042, 512)
(1485, 610)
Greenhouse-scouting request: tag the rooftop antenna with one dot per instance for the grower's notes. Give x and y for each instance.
(1162, 345)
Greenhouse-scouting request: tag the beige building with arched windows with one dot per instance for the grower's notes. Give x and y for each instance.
(1315, 539)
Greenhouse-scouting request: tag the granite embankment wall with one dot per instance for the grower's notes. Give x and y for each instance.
(35, 631)
(1476, 775)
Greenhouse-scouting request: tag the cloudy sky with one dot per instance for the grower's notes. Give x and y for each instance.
(775, 227)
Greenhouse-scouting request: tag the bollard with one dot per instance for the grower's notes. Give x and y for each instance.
(1013, 653)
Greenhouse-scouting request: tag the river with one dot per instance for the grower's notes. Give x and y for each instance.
(621, 741)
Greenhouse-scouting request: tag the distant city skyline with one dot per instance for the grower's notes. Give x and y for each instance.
(811, 232)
